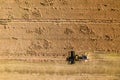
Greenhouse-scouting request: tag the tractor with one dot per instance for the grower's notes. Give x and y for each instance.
(72, 57)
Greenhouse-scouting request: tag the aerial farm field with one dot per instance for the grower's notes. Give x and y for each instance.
(36, 36)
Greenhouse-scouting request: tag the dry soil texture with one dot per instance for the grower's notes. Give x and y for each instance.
(47, 27)
(44, 30)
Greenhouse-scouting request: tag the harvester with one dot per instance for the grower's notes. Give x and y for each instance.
(72, 57)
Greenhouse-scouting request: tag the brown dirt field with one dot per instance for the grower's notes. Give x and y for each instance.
(44, 31)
